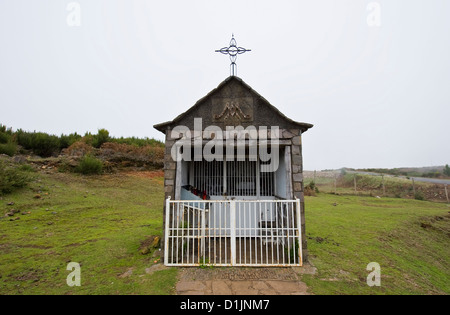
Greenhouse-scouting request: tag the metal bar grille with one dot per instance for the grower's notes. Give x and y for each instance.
(233, 233)
(208, 177)
(234, 178)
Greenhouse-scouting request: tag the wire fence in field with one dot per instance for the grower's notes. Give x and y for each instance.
(377, 185)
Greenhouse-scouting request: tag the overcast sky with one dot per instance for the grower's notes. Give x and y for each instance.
(375, 83)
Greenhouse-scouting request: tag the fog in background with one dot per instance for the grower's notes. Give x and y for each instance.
(372, 76)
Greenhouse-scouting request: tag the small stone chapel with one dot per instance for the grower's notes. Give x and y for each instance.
(233, 182)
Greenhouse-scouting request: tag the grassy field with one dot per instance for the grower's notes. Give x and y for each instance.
(97, 221)
(370, 185)
(407, 238)
(100, 222)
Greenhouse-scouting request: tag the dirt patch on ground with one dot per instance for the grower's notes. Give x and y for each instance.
(31, 275)
(83, 243)
(150, 244)
(381, 206)
(5, 248)
(146, 174)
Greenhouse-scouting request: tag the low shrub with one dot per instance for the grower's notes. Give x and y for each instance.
(311, 189)
(5, 134)
(47, 145)
(66, 141)
(118, 152)
(26, 168)
(4, 138)
(40, 143)
(138, 142)
(97, 140)
(446, 170)
(9, 148)
(12, 177)
(79, 148)
(431, 174)
(89, 165)
(419, 195)
(101, 137)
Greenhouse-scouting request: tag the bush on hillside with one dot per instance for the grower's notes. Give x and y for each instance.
(89, 165)
(101, 137)
(419, 195)
(79, 149)
(4, 138)
(40, 143)
(138, 142)
(142, 150)
(124, 152)
(5, 134)
(311, 189)
(9, 148)
(446, 170)
(66, 141)
(12, 177)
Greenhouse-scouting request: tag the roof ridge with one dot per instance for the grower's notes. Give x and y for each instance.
(161, 126)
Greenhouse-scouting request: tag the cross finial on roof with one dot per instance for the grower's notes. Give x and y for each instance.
(233, 51)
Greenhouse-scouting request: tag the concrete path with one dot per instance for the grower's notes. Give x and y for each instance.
(242, 281)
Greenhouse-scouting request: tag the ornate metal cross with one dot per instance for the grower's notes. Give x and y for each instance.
(233, 51)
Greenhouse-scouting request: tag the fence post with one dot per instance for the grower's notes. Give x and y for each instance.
(299, 231)
(446, 192)
(335, 184)
(384, 187)
(166, 234)
(354, 182)
(233, 231)
(203, 233)
(414, 187)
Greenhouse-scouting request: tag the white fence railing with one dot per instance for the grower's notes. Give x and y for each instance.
(233, 233)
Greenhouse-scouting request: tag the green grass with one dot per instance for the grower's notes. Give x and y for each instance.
(97, 221)
(100, 221)
(370, 185)
(408, 238)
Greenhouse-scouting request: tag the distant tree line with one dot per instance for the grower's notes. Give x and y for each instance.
(435, 173)
(447, 170)
(46, 145)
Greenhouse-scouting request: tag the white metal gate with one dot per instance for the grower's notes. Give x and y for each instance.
(233, 233)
